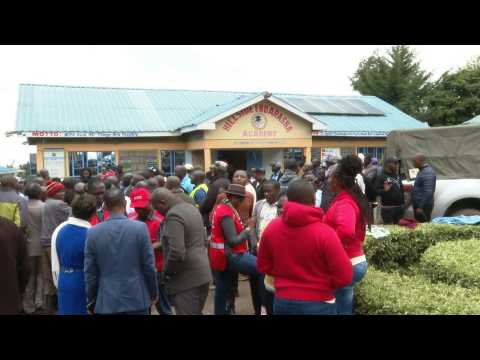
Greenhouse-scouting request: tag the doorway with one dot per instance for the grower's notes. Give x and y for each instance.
(236, 160)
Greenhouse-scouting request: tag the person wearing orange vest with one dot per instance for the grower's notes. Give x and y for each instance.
(228, 249)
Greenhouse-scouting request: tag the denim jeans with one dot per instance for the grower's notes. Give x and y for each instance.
(163, 305)
(299, 307)
(245, 264)
(426, 216)
(344, 296)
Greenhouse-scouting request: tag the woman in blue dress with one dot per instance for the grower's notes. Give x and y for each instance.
(68, 247)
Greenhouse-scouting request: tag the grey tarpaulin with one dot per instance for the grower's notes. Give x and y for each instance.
(453, 151)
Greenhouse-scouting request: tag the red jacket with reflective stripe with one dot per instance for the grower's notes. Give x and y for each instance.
(218, 260)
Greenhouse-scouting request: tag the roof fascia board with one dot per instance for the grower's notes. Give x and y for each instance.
(210, 123)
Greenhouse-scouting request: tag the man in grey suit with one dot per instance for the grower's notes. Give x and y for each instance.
(186, 272)
(120, 275)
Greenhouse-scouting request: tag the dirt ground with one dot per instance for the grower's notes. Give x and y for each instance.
(243, 303)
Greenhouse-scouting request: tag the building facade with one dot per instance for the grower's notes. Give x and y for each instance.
(78, 127)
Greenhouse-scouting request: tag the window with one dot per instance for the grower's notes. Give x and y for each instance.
(347, 151)
(134, 161)
(316, 153)
(170, 159)
(374, 151)
(92, 160)
(296, 153)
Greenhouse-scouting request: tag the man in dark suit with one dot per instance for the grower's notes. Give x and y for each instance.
(120, 274)
(276, 171)
(186, 273)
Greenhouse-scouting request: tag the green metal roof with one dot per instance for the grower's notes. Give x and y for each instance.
(6, 171)
(473, 121)
(394, 119)
(74, 108)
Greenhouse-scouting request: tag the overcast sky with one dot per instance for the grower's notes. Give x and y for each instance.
(321, 70)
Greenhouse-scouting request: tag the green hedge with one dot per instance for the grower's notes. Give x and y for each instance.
(456, 263)
(381, 293)
(404, 247)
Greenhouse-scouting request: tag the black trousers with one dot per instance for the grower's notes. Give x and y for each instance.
(426, 216)
(269, 299)
(256, 283)
(392, 215)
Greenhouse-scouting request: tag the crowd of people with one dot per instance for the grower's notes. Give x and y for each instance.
(133, 243)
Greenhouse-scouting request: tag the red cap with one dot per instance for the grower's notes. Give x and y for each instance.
(54, 187)
(140, 198)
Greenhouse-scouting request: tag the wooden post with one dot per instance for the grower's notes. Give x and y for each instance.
(307, 152)
(67, 163)
(39, 159)
(207, 158)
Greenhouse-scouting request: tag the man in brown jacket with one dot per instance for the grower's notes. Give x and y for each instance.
(14, 267)
(186, 271)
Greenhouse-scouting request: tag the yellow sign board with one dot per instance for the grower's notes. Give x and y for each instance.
(264, 121)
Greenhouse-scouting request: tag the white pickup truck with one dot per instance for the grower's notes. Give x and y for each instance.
(452, 197)
(454, 154)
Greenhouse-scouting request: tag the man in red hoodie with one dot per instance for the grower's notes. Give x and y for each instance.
(304, 255)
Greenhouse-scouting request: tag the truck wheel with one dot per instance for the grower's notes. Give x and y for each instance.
(466, 212)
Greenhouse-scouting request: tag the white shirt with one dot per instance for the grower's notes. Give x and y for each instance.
(55, 261)
(128, 208)
(318, 198)
(360, 182)
(267, 214)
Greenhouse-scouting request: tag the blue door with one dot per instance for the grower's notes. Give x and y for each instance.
(254, 159)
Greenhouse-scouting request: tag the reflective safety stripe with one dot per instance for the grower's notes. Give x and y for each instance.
(204, 187)
(217, 245)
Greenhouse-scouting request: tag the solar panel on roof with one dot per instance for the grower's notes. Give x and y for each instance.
(348, 108)
(369, 109)
(325, 106)
(302, 104)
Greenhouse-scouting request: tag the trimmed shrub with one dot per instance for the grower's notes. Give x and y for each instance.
(456, 263)
(404, 247)
(381, 293)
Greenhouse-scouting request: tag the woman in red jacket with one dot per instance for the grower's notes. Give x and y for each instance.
(228, 250)
(348, 217)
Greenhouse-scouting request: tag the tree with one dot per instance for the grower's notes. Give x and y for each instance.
(455, 96)
(397, 78)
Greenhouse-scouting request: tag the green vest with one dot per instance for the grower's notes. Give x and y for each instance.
(201, 186)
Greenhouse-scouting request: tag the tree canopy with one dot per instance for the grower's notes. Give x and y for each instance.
(397, 78)
(455, 96)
